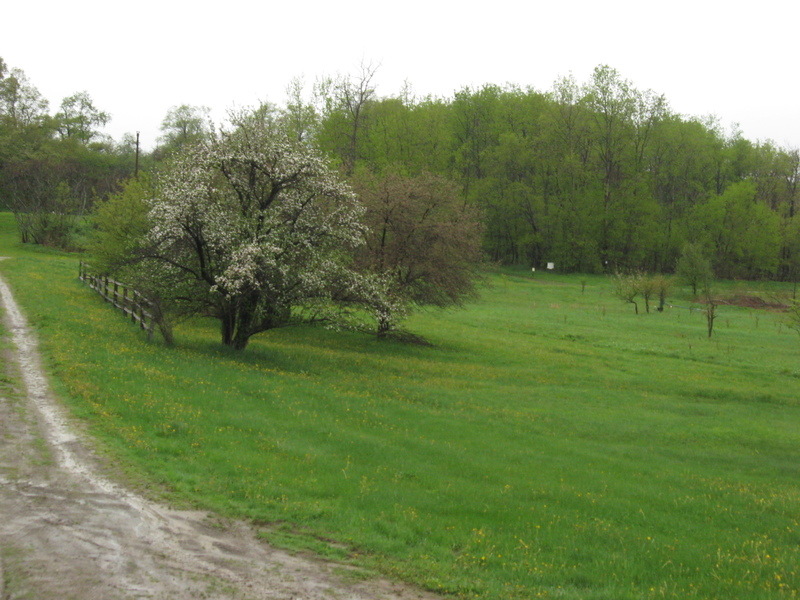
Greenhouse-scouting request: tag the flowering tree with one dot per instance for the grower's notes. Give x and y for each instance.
(253, 229)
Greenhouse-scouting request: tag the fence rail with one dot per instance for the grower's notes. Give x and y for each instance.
(133, 305)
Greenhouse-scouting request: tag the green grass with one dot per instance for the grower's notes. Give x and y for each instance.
(550, 444)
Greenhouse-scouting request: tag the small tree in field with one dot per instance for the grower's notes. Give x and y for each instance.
(627, 286)
(693, 268)
(711, 307)
(662, 287)
(648, 287)
(423, 244)
(119, 224)
(252, 228)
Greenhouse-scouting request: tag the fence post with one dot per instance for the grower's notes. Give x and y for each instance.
(129, 300)
(150, 323)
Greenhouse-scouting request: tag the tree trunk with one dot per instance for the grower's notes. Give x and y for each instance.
(227, 327)
(384, 327)
(711, 314)
(236, 330)
(240, 340)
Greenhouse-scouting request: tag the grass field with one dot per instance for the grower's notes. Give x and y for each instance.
(549, 444)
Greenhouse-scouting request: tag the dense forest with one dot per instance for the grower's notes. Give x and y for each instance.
(593, 176)
(54, 166)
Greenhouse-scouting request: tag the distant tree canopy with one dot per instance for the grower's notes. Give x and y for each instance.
(596, 177)
(79, 119)
(53, 167)
(184, 125)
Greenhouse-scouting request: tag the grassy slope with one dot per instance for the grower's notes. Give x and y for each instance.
(551, 444)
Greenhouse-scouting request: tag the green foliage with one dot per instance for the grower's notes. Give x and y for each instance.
(184, 125)
(119, 226)
(595, 177)
(742, 233)
(790, 253)
(21, 104)
(79, 119)
(794, 315)
(693, 268)
(53, 168)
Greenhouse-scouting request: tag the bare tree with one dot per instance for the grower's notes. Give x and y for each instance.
(711, 308)
(662, 286)
(626, 287)
(647, 287)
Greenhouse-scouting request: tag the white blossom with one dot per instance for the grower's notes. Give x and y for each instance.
(251, 226)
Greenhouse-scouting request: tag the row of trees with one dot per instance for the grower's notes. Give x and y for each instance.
(250, 224)
(595, 177)
(53, 166)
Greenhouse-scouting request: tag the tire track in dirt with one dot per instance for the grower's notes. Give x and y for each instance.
(66, 531)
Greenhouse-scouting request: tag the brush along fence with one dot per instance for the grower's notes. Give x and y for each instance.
(132, 304)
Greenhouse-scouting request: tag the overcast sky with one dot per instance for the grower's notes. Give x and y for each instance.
(738, 61)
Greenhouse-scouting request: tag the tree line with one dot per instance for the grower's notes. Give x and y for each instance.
(54, 166)
(594, 176)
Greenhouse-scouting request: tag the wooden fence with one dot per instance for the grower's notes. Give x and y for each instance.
(132, 304)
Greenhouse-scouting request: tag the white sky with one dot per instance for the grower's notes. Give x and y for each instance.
(736, 60)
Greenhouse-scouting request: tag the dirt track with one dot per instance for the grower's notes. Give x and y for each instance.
(68, 532)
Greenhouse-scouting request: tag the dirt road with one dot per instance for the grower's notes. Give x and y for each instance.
(69, 532)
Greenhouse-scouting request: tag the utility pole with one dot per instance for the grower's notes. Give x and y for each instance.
(136, 167)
